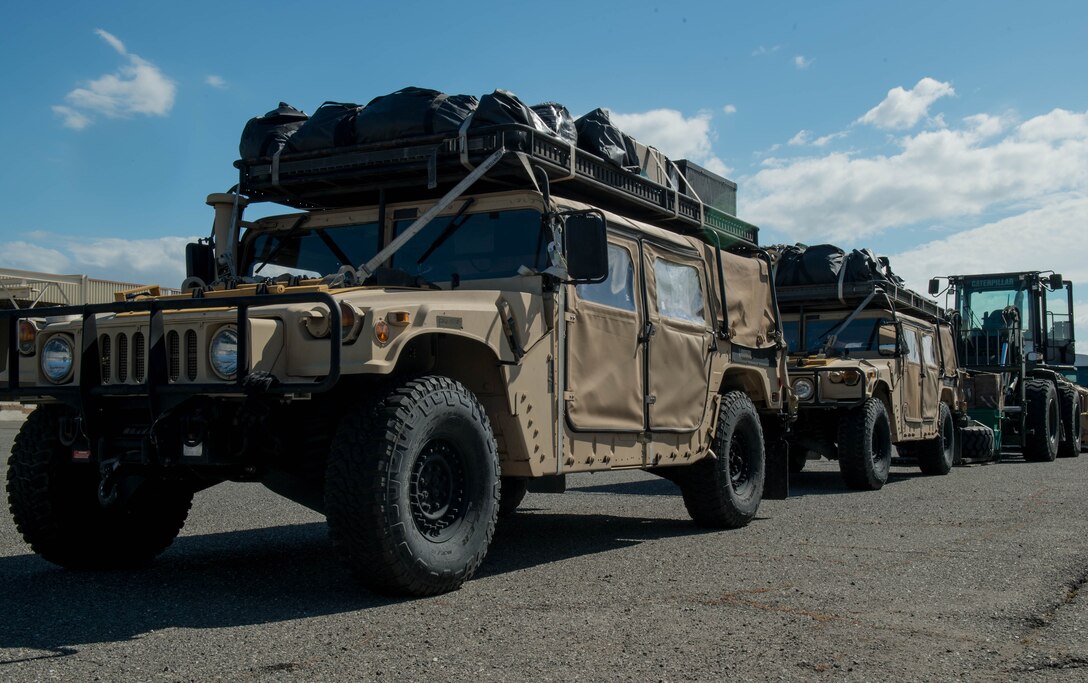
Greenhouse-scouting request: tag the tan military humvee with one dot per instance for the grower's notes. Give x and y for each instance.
(486, 341)
(872, 365)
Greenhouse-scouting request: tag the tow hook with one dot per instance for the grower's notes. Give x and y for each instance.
(107, 485)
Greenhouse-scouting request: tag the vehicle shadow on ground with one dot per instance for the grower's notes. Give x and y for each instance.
(256, 576)
(830, 483)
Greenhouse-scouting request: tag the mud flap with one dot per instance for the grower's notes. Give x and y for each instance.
(555, 483)
(776, 482)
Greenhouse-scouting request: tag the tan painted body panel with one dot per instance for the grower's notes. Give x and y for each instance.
(471, 333)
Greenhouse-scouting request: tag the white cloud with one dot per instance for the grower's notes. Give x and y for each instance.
(148, 261)
(763, 50)
(800, 62)
(804, 137)
(25, 255)
(677, 136)
(729, 109)
(903, 109)
(72, 118)
(935, 175)
(137, 87)
(216, 82)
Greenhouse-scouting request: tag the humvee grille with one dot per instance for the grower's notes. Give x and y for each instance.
(173, 355)
(122, 357)
(104, 346)
(190, 354)
(138, 356)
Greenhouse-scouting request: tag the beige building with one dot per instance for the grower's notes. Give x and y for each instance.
(28, 289)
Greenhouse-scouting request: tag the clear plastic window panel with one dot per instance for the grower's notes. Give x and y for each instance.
(618, 290)
(928, 351)
(678, 293)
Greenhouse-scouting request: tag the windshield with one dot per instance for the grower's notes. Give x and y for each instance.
(311, 252)
(861, 335)
(982, 301)
(474, 246)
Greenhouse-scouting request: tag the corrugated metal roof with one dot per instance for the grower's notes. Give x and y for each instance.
(25, 288)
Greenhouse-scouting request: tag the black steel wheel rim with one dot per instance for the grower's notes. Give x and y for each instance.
(437, 491)
(1054, 421)
(946, 434)
(881, 445)
(740, 465)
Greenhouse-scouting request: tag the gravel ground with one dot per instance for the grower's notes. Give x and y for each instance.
(975, 576)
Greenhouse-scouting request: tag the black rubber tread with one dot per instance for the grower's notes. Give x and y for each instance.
(937, 455)
(707, 486)
(1069, 401)
(511, 493)
(978, 443)
(1042, 437)
(366, 499)
(857, 427)
(55, 504)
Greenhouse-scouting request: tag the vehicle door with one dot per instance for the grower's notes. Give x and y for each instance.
(605, 355)
(680, 338)
(912, 378)
(931, 376)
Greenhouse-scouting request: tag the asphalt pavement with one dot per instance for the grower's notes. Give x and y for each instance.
(978, 575)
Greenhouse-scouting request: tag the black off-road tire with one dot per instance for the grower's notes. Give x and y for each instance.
(725, 492)
(865, 446)
(412, 488)
(978, 443)
(55, 504)
(1043, 421)
(936, 456)
(511, 493)
(1069, 401)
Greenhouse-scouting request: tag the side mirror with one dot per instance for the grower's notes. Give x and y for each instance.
(934, 287)
(200, 261)
(1055, 281)
(586, 247)
(888, 339)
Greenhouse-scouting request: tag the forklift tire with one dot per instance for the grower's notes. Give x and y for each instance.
(865, 446)
(1071, 426)
(978, 443)
(1043, 421)
(936, 456)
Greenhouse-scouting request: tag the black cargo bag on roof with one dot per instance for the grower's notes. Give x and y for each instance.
(330, 126)
(558, 120)
(598, 135)
(503, 107)
(265, 135)
(411, 112)
(816, 265)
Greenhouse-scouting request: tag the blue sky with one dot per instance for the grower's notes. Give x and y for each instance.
(950, 135)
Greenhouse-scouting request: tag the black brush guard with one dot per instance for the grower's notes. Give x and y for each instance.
(156, 385)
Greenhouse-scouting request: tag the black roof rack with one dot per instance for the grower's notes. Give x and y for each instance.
(429, 166)
(852, 293)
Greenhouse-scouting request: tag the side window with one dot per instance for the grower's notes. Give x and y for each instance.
(678, 294)
(928, 353)
(618, 290)
(912, 345)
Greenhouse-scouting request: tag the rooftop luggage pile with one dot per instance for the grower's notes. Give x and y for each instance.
(825, 272)
(416, 140)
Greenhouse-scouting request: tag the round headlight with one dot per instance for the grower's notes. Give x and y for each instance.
(223, 353)
(57, 355)
(803, 388)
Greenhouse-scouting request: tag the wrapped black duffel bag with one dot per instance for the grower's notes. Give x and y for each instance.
(558, 120)
(330, 126)
(265, 135)
(598, 135)
(411, 112)
(503, 107)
